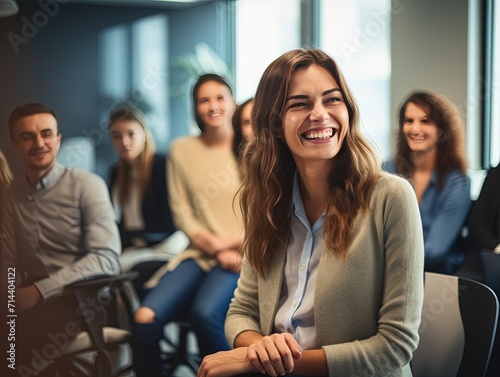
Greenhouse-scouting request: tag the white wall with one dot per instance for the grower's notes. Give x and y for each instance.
(432, 49)
(429, 51)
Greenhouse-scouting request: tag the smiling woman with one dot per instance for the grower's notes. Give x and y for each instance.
(322, 223)
(316, 119)
(198, 284)
(431, 155)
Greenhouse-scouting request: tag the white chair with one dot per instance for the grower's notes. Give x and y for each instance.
(459, 320)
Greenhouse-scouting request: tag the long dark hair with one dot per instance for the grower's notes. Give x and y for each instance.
(239, 141)
(269, 168)
(451, 154)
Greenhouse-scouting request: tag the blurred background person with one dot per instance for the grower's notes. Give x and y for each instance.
(5, 179)
(59, 229)
(197, 285)
(139, 197)
(431, 155)
(242, 125)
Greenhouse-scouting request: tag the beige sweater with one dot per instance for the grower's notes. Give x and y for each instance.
(367, 308)
(203, 184)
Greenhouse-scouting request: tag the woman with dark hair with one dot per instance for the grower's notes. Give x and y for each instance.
(198, 284)
(242, 126)
(431, 155)
(139, 196)
(332, 277)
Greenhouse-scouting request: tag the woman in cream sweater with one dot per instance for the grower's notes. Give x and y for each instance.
(198, 284)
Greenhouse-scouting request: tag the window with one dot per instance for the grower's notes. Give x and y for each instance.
(133, 70)
(493, 139)
(354, 33)
(264, 30)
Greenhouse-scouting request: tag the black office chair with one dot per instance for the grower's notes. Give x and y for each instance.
(97, 351)
(490, 263)
(459, 320)
(177, 352)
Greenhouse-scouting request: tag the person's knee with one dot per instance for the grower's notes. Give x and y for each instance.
(146, 328)
(144, 315)
(202, 318)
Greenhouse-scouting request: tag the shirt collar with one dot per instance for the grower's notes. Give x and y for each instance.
(434, 179)
(50, 179)
(296, 198)
(298, 205)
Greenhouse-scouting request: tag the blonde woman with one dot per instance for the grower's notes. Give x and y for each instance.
(332, 277)
(5, 179)
(140, 200)
(5, 175)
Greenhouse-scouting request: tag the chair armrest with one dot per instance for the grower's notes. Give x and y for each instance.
(98, 281)
(106, 286)
(102, 290)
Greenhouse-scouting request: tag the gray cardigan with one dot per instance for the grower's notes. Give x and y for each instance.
(367, 308)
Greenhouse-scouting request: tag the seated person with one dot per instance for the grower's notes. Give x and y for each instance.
(139, 196)
(5, 179)
(242, 126)
(197, 285)
(332, 278)
(59, 228)
(431, 154)
(483, 226)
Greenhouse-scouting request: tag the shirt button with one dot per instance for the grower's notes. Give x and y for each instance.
(294, 304)
(303, 266)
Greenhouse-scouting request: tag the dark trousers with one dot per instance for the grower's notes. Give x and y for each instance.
(189, 294)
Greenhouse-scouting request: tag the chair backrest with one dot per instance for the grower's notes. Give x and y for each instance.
(459, 320)
(110, 296)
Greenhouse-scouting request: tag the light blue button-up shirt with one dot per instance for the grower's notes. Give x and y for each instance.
(444, 213)
(296, 306)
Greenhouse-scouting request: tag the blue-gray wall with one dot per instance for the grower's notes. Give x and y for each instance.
(57, 63)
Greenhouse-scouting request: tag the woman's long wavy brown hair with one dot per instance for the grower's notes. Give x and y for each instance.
(268, 167)
(145, 163)
(451, 154)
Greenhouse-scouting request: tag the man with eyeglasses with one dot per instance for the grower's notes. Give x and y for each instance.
(59, 228)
